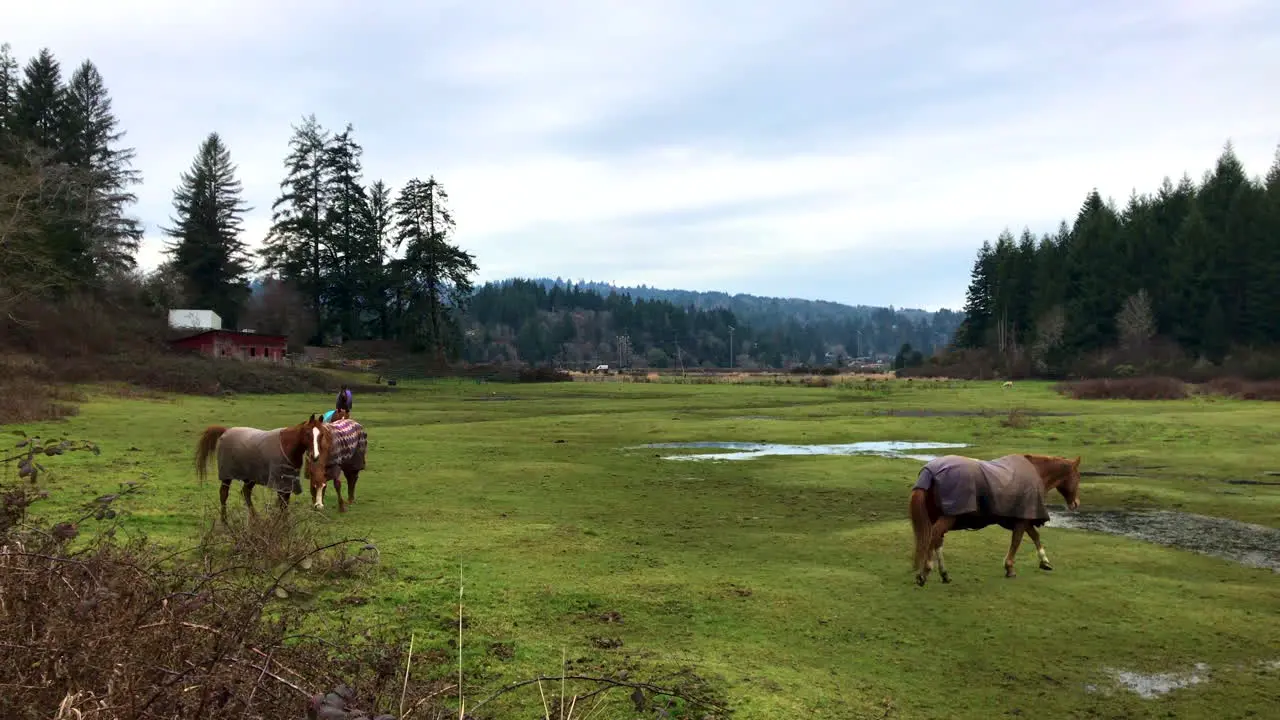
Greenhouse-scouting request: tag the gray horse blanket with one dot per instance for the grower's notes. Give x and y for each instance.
(979, 493)
(350, 443)
(255, 456)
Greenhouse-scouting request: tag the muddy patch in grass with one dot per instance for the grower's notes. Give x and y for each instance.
(752, 450)
(1153, 685)
(925, 413)
(1245, 543)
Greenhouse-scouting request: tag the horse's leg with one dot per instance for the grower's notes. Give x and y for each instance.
(1034, 532)
(352, 477)
(337, 489)
(940, 528)
(282, 499)
(942, 566)
(246, 489)
(1013, 549)
(223, 491)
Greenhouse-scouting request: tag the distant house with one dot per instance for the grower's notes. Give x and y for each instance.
(232, 344)
(196, 319)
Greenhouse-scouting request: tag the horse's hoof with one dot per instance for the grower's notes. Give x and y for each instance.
(1044, 565)
(920, 580)
(1009, 573)
(946, 578)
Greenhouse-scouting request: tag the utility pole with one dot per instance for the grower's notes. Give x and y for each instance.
(624, 350)
(730, 347)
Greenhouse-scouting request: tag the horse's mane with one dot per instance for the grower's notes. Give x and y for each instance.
(1058, 465)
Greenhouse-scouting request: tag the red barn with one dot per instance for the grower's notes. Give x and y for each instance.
(233, 344)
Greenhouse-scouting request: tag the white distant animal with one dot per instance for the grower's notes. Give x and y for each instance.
(1008, 384)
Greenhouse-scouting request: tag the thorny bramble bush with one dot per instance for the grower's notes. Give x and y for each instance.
(103, 628)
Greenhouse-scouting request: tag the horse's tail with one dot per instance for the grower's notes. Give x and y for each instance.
(921, 525)
(204, 446)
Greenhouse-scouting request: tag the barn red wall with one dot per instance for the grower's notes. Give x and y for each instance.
(228, 345)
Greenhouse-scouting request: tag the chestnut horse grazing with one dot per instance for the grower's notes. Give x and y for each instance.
(959, 493)
(272, 458)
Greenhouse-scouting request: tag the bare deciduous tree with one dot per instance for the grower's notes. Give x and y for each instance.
(280, 309)
(1136, 322)
(29, 191)
(1050, 330)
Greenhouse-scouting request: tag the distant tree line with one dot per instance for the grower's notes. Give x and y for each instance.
(537, 322)
(1191, 268)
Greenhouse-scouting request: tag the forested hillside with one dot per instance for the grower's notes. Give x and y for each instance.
(537, 321)
(1192, 268)
(755, 308)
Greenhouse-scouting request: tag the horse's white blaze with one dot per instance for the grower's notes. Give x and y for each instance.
(318, 504)
(315, 443)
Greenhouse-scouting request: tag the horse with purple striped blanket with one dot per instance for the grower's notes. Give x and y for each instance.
(344, 445)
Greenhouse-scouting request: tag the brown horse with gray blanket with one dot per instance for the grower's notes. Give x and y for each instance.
(272, 458)
(959, 493)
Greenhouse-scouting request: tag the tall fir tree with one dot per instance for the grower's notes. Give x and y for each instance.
(208, 253)
(297, 245)
(91, 143)
(376, 273)
(40, 120)
(1095, 272)
(9, 82)
(978, 306)
(39, 112)
(344, 257)
(438, 272)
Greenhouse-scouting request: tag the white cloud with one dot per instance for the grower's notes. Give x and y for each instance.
(569, 134)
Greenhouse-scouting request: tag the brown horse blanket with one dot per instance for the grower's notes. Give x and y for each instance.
(349, 445)
(255, 456)
(979, 493)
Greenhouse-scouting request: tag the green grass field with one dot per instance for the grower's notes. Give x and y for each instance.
(784, 581)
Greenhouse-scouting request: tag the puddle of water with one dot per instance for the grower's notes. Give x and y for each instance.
(1150, 686)
(750, 450)
(1252, 545)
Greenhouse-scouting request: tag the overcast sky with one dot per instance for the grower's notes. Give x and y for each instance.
(833, 149)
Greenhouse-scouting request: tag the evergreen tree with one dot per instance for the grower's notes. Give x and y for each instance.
(39, 123)
(9, 83)
(978, 301)
(1095, 274)
(90, 138)
(347, 246)
(297, 247)
(438, 273)
(208, 254)
(40, 104)
(375, 271)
